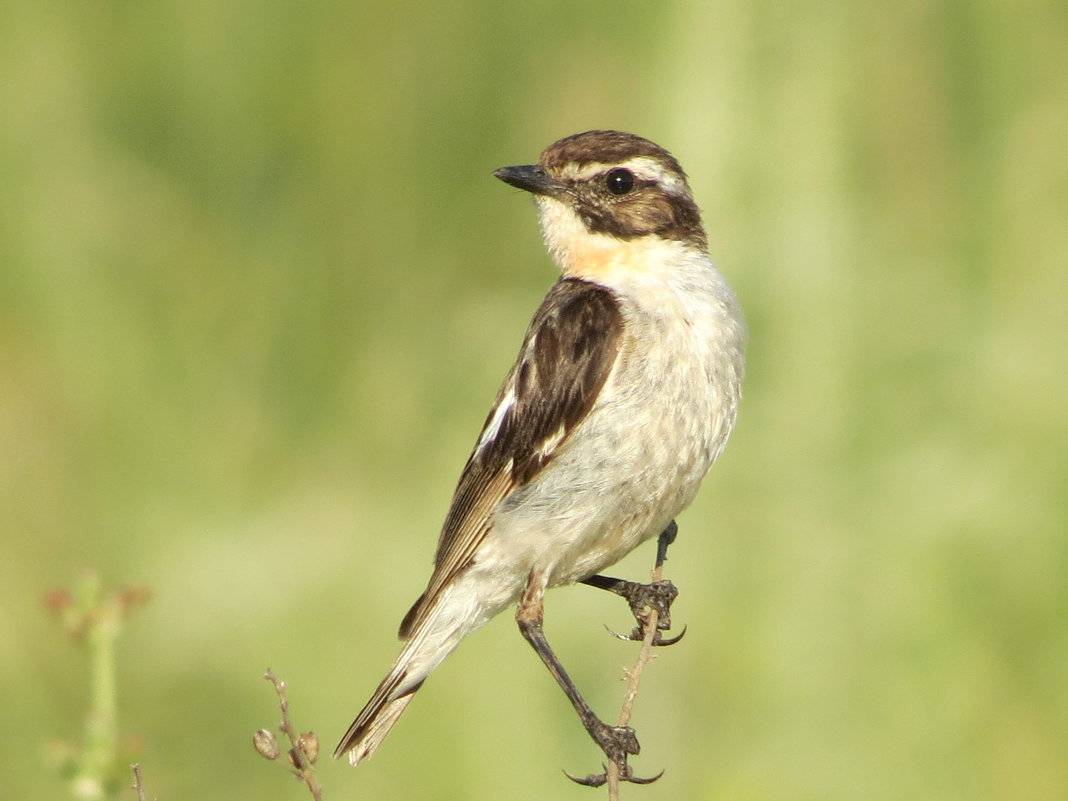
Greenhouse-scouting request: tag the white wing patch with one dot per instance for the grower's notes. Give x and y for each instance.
(493, 427)
(548, 446)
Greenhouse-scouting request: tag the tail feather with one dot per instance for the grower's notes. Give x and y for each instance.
(426, 647)
(371, 726)
(431, 640)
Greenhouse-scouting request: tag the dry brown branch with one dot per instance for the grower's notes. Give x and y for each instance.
(139, 784)
(304, 748)
(634, 677)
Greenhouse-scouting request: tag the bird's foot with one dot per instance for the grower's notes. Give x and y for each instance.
(643, 598)
(617, 742)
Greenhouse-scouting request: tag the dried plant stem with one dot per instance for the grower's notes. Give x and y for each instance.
(305, 770)
(139, 784)
(634, 677)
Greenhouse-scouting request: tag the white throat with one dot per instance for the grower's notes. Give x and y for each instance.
(607, 260)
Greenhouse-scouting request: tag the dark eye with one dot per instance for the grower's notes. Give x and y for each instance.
(619, 181)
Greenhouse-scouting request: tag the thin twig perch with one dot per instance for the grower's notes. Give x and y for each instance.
(634, 677)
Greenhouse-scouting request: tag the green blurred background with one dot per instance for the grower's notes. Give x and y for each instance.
(258, 289)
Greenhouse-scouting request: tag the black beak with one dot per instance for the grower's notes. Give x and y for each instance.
(531, 177)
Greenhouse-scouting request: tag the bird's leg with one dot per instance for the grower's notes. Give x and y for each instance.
(617, 742)
(657, 595)
(666, 538)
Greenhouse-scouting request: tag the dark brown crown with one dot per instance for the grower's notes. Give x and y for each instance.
(606, 147)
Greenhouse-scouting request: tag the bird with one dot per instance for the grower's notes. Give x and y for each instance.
(625, 389)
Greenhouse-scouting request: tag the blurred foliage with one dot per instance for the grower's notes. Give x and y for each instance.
(258, 288)
(96, 767)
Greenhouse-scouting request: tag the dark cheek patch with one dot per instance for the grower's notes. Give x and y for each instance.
(668, 217)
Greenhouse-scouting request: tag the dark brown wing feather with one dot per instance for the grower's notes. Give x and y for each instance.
(566, 357)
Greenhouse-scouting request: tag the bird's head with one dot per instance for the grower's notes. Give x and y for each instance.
(605, 198)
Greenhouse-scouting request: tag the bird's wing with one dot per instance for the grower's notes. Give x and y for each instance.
(567, 356)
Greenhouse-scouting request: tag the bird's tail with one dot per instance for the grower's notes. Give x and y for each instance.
(376, 718)
(427, 645)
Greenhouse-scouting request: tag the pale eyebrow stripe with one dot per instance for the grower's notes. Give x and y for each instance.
(643, 167)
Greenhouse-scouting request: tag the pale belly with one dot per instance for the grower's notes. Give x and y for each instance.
(633, 465)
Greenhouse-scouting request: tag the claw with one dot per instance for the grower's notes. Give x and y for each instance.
(660, 642)
(639, 780)
(599, 779)
(637, 635)
(593, 780)
(618, 636)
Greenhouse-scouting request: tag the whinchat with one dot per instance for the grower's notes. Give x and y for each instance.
(624, 392)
